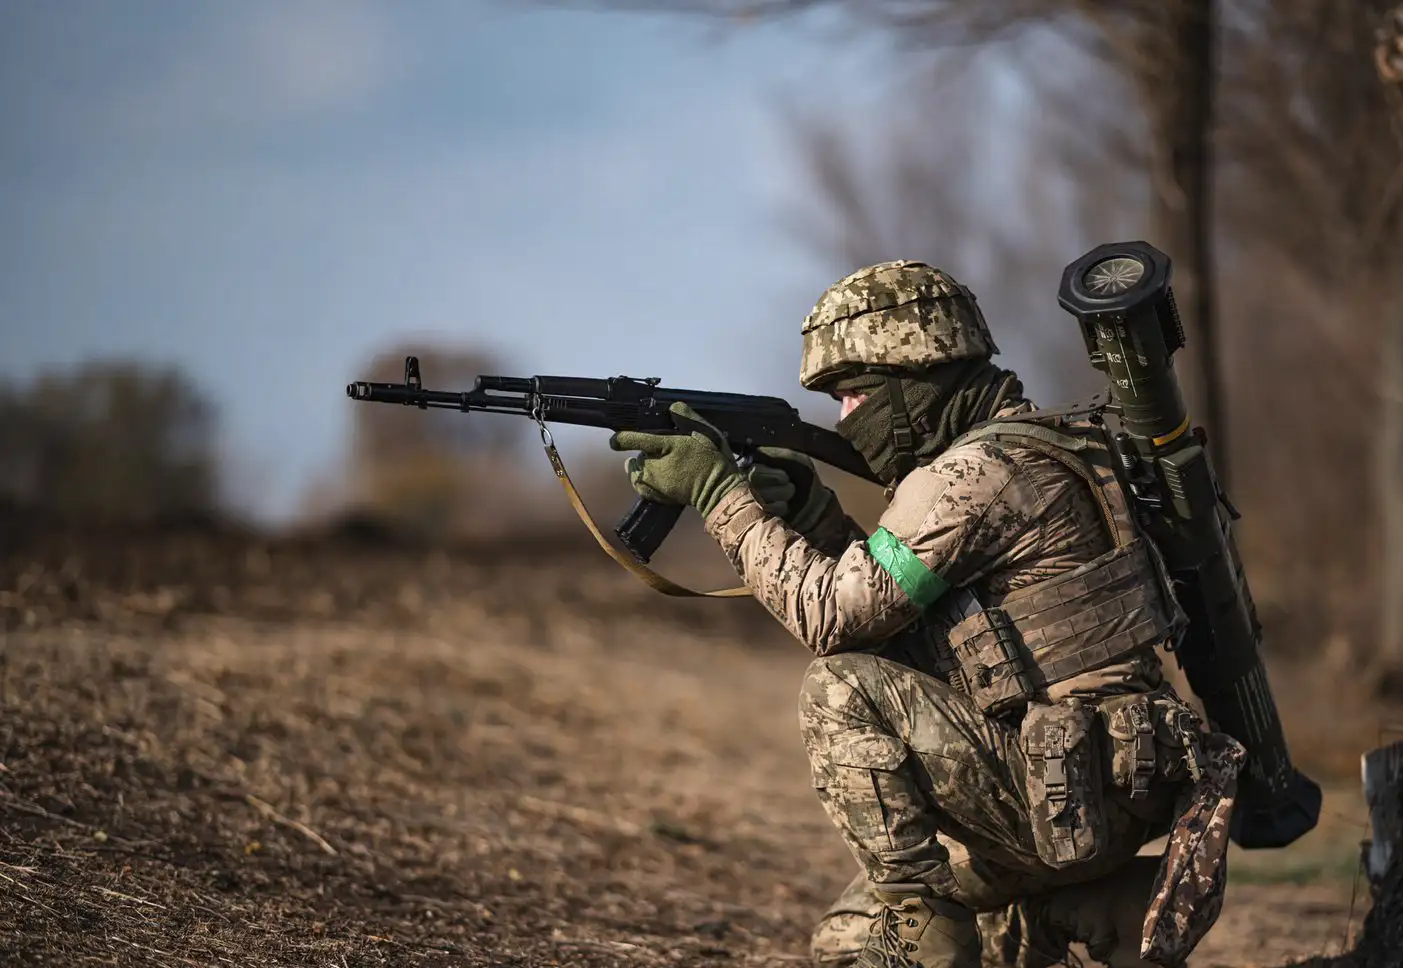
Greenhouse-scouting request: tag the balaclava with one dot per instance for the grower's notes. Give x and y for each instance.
(909, 419)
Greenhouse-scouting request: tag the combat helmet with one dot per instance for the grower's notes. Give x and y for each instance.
(901, 314)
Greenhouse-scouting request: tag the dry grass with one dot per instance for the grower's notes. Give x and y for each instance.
(287, 796)
(357, 757)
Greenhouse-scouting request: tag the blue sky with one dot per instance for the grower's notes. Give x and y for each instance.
(268, 193)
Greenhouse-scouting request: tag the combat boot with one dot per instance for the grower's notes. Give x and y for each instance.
(913, 931)
(1107, 915)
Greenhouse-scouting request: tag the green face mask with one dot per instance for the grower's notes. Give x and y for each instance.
(941, 404)
(869, 428)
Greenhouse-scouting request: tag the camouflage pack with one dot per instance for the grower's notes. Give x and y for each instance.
(1188, 891)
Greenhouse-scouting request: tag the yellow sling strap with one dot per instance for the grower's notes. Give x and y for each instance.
(643, 573)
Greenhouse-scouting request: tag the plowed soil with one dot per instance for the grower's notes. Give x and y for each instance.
(221, 750)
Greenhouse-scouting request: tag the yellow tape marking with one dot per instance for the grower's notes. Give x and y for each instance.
(1173, 434)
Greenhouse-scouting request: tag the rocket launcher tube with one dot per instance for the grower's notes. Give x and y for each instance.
(1120, 295)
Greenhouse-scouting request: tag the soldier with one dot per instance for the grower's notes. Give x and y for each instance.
(986, 719)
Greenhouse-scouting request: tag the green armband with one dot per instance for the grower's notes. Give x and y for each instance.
(920, 584)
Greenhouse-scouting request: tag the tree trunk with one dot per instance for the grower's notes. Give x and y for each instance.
(1388, 60)
(1383, 792)
(1390, 483)
(1176, 74)
(1382, 938)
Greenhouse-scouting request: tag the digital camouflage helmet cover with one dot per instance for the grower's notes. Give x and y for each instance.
(903, 315)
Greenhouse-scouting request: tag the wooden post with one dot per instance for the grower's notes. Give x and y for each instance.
(1383, 791)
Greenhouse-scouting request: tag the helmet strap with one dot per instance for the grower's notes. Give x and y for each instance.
(903, 437)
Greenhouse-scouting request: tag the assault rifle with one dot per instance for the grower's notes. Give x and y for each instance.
(625, 403)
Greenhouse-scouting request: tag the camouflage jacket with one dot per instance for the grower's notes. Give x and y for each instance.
(988, 515)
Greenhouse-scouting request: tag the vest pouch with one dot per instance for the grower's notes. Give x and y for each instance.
(1179, 732)
(1130, 726)
(1153, 738)
(1065, 786)
(995, 667)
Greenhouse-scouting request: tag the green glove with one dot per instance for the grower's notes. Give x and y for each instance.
(787, 484)
(694, 468)
(771, 487)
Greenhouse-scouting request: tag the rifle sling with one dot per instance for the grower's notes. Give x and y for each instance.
(642, 572)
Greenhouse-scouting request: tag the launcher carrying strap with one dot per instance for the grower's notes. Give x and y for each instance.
(643, 573)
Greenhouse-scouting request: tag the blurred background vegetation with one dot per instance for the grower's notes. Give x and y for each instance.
(1256, 141)
(119, 441)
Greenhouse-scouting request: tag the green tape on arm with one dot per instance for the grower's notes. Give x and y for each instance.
(920, 584)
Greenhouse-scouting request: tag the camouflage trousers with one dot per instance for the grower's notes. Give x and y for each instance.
(930, 795)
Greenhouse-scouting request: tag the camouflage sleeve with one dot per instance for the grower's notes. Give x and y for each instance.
(959, 516)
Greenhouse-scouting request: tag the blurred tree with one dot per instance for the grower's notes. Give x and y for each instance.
(1388, 59)
(436, 473)
(118, 440)
(1310, 228)
(914, 184)
(1165, 50)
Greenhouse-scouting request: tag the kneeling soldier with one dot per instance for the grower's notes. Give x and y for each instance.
(986, 720)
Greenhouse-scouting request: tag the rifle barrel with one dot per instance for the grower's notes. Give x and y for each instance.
(410, 396)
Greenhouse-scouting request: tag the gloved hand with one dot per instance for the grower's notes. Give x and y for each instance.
(771, 487)
(787, 484)
(694, 468)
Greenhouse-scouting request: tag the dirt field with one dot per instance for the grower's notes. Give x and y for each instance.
(229, 752)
